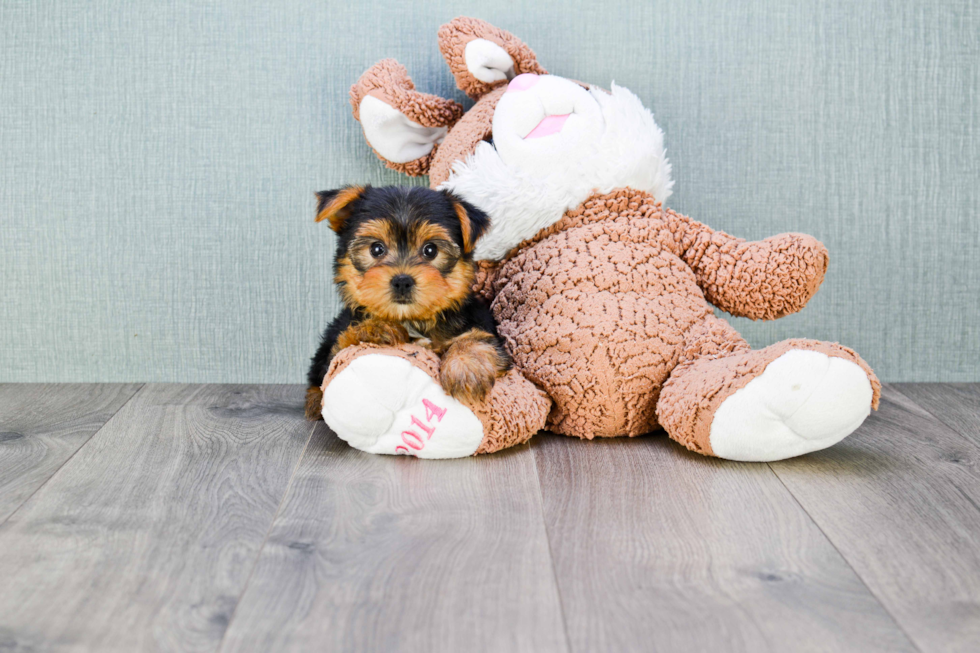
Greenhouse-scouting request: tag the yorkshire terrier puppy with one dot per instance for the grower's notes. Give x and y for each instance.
(404, 268)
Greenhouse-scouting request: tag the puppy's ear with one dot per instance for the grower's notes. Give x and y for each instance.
(335, 205)
(472, 221)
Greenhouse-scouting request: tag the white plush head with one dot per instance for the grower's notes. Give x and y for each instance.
(555, 143)
(532, 147)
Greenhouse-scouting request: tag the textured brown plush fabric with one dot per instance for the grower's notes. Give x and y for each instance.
(422, 358)
(511, 414)
(453, 37)
(462, 140)
(698, 386)
(388, 81)
(486, 272)
(600, 308)
(762, 280)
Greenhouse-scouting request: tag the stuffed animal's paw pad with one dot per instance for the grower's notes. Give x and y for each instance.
(804, 401)
(384, 404)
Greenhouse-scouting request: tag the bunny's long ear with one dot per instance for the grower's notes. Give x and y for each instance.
(403, 126)
(482, 56)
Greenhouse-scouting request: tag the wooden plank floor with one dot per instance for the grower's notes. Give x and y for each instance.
(214, 518)
(42, 426)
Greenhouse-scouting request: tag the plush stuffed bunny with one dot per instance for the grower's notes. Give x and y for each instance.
(603, 295)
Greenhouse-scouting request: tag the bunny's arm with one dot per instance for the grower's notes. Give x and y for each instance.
(761, 280)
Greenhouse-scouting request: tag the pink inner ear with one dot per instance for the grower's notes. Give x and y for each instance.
(522, 82)
(550, 125)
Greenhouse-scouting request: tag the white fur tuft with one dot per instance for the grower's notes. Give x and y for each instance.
(630, 153)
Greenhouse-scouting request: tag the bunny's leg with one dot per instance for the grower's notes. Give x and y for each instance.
(788, 399)
(389, 400)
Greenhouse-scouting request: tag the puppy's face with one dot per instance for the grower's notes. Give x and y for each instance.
(403, 270)
(403, 253)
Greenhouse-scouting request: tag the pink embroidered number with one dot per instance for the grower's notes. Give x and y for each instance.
(431, 409)
(413, 441)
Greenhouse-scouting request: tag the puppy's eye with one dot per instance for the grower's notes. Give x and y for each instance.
(429, 251)
(378, 250)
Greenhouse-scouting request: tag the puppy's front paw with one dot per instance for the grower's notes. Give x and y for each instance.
(467, 380)
(377, 332)
(470, 368)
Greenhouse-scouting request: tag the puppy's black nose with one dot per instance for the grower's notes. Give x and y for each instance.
(402, 285)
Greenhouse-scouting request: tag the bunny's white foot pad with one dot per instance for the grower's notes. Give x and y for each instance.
(803, 401)
(384, 404)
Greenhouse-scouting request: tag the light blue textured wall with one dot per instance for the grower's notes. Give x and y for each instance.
(157, 165)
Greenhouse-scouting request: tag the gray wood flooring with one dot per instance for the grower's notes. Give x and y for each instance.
(215, 518)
